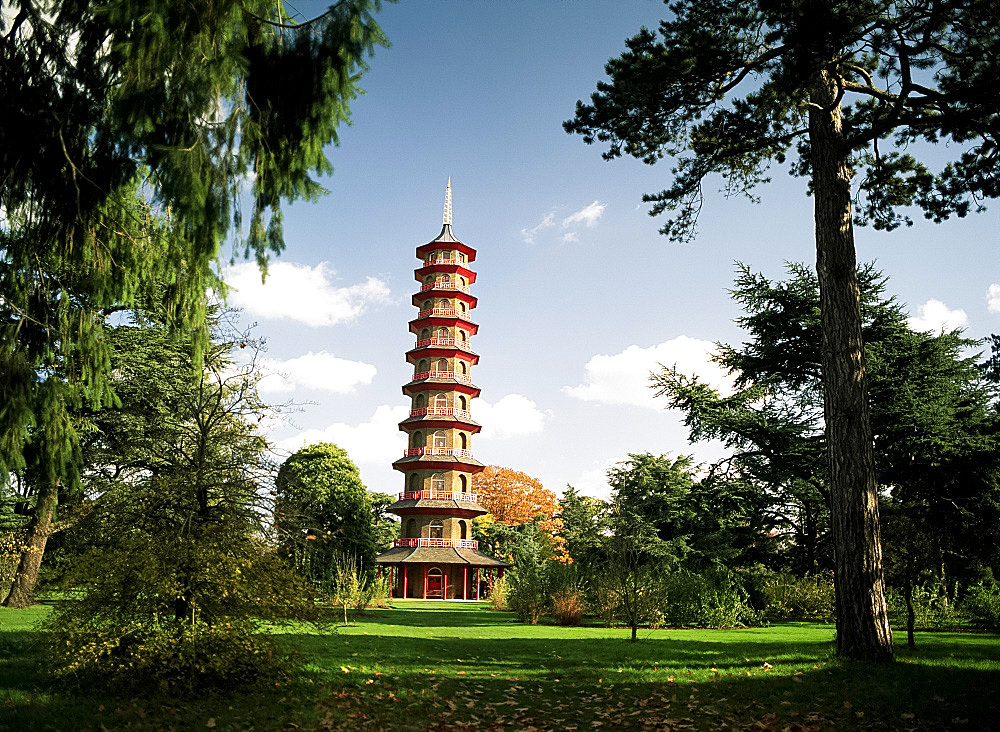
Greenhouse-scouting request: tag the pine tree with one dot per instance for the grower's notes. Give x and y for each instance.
(133, 137)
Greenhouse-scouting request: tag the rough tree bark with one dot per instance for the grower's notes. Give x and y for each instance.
(862, 621)
(22, 589)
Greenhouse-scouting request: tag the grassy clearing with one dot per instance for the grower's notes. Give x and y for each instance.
(460, 666)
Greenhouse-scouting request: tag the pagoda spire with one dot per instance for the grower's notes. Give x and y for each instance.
(447, 204)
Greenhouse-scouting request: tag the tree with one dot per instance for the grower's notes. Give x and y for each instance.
(324, 512)
(730, 87)
(646, 531)
(934, 446)
(133, 138)
(173, 572)
(581, 526)
(513, 499)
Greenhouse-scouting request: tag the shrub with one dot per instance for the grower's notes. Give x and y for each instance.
(790, 597)
(603, 600)
(930, 610)
(499, 592)
(10, 556)
(528, 595)
(182, 659)
(568, 606)
(709, 600)
(981, 605)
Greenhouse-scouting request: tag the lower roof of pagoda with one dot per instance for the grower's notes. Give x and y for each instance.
(438, 555)
(436, 422)
(450, 385)
(438, 463)
(437, 507)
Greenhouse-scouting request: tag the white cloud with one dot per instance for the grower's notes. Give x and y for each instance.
(593, 481)
(376, 442)
(623, 378)
(569, 237)
(320, 371)
(588, 215)
(529, 234)
(993, 299)
(300, 292)
(512, 416)
(935, 316)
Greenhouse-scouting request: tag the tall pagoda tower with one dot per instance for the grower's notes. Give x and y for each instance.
(435, 556)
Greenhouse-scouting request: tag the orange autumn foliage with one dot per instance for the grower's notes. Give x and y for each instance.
(514, 498)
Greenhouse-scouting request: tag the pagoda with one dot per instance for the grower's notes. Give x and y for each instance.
(435, 556)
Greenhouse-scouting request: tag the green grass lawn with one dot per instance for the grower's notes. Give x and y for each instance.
(459, 666)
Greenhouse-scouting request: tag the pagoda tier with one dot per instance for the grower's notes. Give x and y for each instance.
(434, 554)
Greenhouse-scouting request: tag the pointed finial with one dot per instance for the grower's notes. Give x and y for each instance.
(447, 204)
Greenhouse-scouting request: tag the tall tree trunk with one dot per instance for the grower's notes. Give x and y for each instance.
(22, 589)
(862, 621)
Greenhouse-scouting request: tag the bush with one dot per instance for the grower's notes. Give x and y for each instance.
(603, 600)
(930, 610)
(499, 592)
(183, 659)
(10, 556)
(981, 605)
(568, 606)
(790, 597)
(528, 593)
(709, 600)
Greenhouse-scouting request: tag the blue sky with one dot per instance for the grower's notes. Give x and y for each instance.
(579, 296)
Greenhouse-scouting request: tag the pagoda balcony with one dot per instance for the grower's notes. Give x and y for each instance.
(438, 341)
(440, 412)
(445, 313)
(442, 285)
(439, 496)
(429, 260)
(464, 378)
(452, 543)
(445, 451)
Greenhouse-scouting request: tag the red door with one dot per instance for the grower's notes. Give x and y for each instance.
(434, 582)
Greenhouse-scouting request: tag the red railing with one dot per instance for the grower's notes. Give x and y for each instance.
(442, 285)
(439, 495)
(442, 375)
(445, 313)
(438, 341)
(440, 412)
(450, 451)
(455, 543)
(445, 261)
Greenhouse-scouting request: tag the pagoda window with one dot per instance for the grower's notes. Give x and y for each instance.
(462, 403)
(421, 401)
(425, 333)
(463, 440)
(464, 482)
(428, 304)
(462, 307)
(414, 483)
(435, 531)
(461, 258)
(422, 366)
(446, 278)
(442, 365)
(440, 401)
(462, 368)
(461, 335)
(463, 529)
(462, 282)
(441, 332)
(411, 529)
(418, 439)
(428, 279)
(437, 482)
(440, 439)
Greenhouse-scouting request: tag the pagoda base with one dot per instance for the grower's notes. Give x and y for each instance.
(443, 573)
